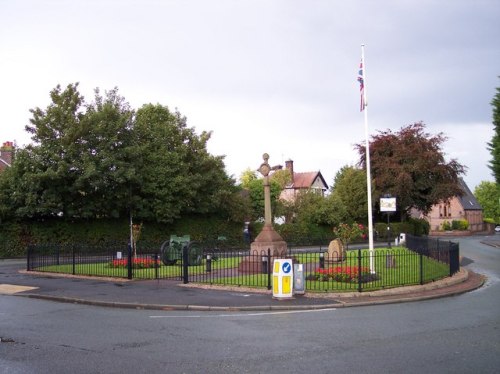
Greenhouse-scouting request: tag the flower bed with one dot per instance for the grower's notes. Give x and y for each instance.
(137, 263)
(346, 274)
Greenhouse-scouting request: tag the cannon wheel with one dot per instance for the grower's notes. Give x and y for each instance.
(163, 253)
(195, 253)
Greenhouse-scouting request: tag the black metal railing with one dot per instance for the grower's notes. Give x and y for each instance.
(423, 260)
(440, 250)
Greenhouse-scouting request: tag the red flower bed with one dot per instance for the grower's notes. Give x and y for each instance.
(137, 263)
(348, 274)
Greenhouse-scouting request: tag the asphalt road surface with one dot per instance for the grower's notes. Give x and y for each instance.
(459, 334)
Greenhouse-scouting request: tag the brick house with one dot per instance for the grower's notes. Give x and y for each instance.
(308, 181)
(6, 153)
(464, 207)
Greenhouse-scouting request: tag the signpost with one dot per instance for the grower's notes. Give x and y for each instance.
(388, 205)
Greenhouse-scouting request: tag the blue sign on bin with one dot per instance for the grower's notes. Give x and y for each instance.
(286, 267)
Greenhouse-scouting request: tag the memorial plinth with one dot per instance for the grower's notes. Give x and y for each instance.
(268, 242)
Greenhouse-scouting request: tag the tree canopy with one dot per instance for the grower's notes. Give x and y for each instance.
(103, 159)
(494, 145)
(349, 187)
(488, 195)
(410, 165)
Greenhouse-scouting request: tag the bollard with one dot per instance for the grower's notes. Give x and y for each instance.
(264, 264)
(321, 260)
(209, 263)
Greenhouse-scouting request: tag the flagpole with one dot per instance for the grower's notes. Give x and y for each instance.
(368, 173)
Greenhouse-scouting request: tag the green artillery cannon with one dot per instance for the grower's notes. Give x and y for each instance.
(171, 250)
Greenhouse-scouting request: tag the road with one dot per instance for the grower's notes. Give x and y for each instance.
(456, 334)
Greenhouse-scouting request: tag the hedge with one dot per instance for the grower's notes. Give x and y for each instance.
(16, 236)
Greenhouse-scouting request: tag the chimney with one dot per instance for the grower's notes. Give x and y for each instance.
(289, 166)
(6, 152)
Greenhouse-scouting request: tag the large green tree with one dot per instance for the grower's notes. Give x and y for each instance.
(488, 195)
(494, 145)
(410, 165)
(46, 170)
(103, 159)
(178, 175)
(256, 193)
(349, 187)
(77, 165)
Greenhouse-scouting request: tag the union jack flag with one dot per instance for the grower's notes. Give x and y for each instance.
(361, 86)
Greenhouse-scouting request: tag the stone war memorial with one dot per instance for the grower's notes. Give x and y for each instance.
(268, 238)
(336, 252)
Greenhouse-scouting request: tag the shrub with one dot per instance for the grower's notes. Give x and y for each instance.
(461, 225)
(446, 226)
(349, 232)
(414, 226)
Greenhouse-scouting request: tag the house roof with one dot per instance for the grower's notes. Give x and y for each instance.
(468, 200)
(306, 180)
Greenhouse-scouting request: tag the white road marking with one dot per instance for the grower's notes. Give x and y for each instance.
(260, 314)
(12, 289)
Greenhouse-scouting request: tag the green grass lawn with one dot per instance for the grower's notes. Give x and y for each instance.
(404, 269)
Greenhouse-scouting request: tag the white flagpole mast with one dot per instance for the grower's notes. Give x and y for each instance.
(368, 173)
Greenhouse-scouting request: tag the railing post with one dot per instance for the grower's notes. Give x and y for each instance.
(269, 268)
(421, 257)
(157, 264)
(129, 262)
(454, 257)
(359, 270)
(28, 257)
(209, 263)
(438, 252)
(185, 260)
(73, 259)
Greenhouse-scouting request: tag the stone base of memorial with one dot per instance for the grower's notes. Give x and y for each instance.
(257, 262)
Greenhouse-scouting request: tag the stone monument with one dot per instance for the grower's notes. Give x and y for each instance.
(336, 252)
(268, 238)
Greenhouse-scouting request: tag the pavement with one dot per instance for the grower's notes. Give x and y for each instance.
(172, 295)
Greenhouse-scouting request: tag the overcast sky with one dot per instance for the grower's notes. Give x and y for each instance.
(267, 75)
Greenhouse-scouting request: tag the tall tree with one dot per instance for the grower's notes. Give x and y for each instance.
(102, 159)
(256, 192)
(247, 176)
(350, 187)
(77, 166)
(104, 166)
(410, 165)
(178, 175)
(49, 163)
(494, 145)
(488, 195)
(283, 177)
